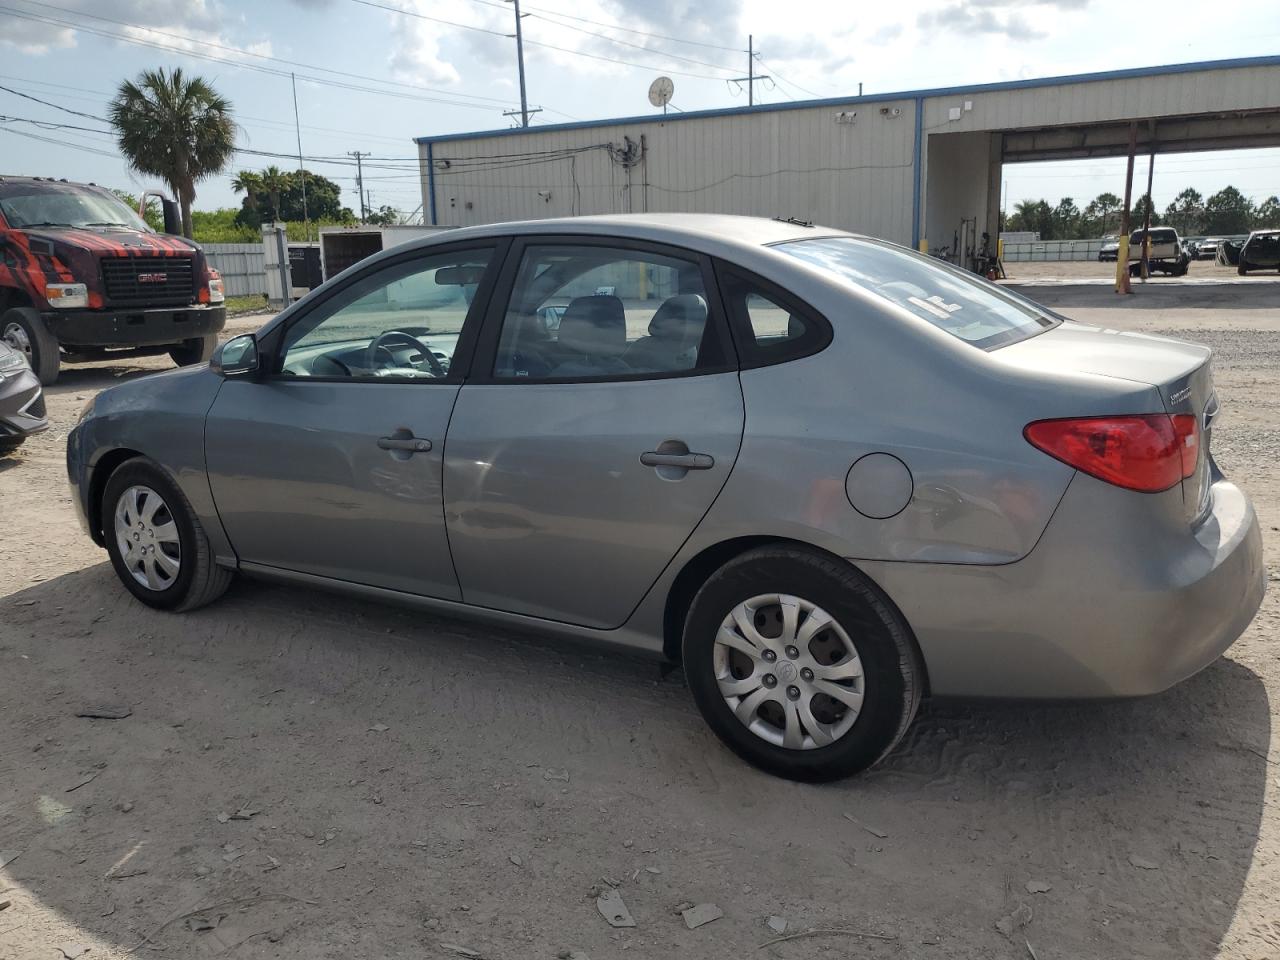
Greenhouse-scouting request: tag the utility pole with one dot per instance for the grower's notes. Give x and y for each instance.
(751, 77)
(523, 114)
(302, 170)
(1122, 254)
(359, 179)
(524, 102)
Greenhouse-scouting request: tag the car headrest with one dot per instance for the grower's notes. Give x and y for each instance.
(596, 326)
(680, 318)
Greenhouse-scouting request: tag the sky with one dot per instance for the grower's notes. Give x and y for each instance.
(373, 74)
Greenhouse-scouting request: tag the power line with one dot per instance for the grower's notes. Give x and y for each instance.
(544, 12)
(535, 43)
(262, 56)
(236, 63)
(791, 83)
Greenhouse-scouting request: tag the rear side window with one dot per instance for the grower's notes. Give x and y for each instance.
(965, 306)
(769, 325)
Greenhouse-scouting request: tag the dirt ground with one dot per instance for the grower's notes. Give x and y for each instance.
(312, 776)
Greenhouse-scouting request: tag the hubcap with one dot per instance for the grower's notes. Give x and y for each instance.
(789, 672)
(17, 338)
(148, 538)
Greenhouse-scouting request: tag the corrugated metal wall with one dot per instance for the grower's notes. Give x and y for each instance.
(241, 266)
(797, 163)
(803, 161)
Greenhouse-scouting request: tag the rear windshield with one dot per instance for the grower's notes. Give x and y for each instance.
(961, 303)
(1157, 236)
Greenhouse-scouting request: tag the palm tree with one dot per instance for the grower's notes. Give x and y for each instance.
(274, 182)
(176, 128)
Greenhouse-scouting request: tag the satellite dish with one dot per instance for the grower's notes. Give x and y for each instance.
(660, 91)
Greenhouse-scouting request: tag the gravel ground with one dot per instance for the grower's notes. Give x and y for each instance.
(311, 776)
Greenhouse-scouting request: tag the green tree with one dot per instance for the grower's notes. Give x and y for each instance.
(1268, 214)
(1140, 207)
(275, 194)
(153, 214)
(1066, 219)
(1186, 212)
(385, 215)
(1034, 215)
(176, 128)
(1102, 215)
(1228, 211)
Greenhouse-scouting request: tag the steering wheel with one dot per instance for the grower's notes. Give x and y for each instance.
(383, 340)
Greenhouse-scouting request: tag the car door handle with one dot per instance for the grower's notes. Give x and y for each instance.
(411, 444)
(685, 461)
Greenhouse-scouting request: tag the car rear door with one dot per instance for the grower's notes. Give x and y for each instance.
(580, 458)
(331, 463)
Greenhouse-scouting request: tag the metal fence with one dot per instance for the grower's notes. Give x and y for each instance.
(1023, 251)
(242, 265)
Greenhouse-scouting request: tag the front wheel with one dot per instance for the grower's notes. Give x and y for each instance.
(155, 541)
(800, 664)
(22, 329)
(193, 351)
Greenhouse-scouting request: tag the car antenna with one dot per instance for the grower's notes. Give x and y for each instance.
(795, 221)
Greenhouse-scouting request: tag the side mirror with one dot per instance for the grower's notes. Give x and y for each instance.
(238, 357)
(172, 216)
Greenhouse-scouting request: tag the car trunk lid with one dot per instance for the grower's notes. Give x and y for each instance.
(1181, 371)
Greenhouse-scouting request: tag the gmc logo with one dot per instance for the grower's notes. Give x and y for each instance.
(152, 277)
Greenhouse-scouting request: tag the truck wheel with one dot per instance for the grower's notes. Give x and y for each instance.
(23, 330)
(197, 350)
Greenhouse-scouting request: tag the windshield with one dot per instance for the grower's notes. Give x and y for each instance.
(66, 205)
(951, 299)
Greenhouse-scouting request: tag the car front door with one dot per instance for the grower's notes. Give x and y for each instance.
(330, 463)
(583, 453)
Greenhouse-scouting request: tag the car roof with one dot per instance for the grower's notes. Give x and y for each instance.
(709, 233)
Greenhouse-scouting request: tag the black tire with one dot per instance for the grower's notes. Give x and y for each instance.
(8, 446)
(1241, 269)
(893, 672)
(41, 346)
(197, 350)
(199, 580)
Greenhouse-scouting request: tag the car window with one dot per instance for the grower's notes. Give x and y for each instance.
(965, 306)
(590, 312)
(769, 325)
(400, 322)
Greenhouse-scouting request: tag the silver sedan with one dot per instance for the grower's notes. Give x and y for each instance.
(828, 475)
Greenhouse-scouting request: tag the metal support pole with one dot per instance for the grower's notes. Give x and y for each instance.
(524, 102)
(286, 275)
(1122, 254)
(359, 180)
(302, 170)
(751, 66)
(1146, 218)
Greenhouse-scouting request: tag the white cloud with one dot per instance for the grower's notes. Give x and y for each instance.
(201, 20)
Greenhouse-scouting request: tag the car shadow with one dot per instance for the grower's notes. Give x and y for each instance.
(405, 780)
(79, 377)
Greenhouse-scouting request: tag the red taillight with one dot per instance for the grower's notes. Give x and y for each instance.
(1147, 453)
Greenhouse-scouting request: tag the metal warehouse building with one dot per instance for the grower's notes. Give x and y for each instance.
(909, 167)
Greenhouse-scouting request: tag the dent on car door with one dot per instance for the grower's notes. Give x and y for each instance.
(583, 453)
(331, 464)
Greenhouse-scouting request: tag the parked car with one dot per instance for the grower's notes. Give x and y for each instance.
(1260, 252)
(22, 411)
(1166, 253)
(1110, 250)
(1192, 249)
(82, 277)
(1207, 249)
(826, 473)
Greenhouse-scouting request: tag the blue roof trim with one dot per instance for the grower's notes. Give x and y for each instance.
(1128, 74)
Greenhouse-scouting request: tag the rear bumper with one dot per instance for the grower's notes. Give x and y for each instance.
(22, 411)
(1102, 607)
(133, 328)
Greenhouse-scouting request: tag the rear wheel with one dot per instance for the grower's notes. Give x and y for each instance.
(1241, 269)
(197, 350)
(22, 329)
(156, 544)
(800, 664)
